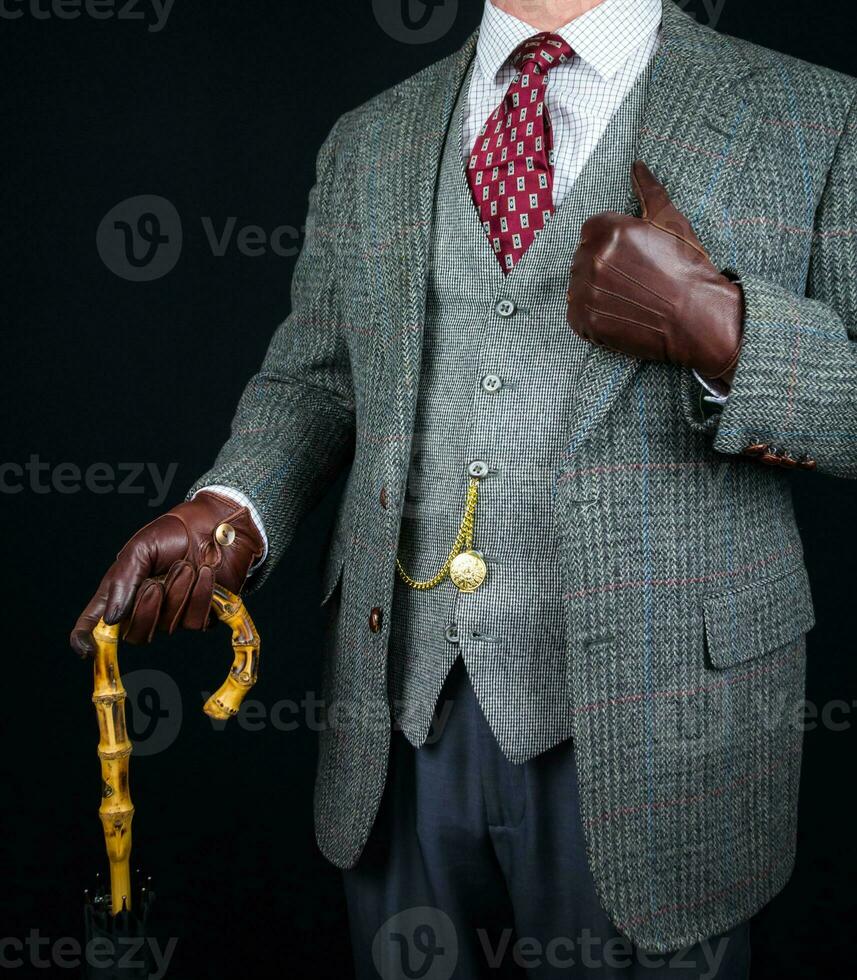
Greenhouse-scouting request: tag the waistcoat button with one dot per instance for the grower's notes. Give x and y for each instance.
(478, 468)
(505, 308)
(492, 382)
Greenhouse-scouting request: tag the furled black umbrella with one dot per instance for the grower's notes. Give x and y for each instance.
(118, 945)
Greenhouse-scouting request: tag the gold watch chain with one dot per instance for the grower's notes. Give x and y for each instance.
(463, 542)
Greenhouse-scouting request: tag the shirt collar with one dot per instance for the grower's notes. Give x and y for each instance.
(603, 37)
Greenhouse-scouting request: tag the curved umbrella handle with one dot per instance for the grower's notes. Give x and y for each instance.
(114, 746)
(226, 700)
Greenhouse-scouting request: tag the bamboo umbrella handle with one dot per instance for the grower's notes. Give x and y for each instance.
(226, 700)
(114, 746)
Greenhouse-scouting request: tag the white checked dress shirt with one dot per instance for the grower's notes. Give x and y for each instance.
(612, 43)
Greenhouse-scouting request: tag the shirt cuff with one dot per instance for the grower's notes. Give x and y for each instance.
(717, 393)
(243, 501)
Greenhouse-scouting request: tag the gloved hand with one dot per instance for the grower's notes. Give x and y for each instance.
(207, 539)
(646, 287)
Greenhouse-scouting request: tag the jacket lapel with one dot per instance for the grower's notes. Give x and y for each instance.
(698, 127)
(402, 208)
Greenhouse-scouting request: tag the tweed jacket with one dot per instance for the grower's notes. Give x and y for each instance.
(685, 593)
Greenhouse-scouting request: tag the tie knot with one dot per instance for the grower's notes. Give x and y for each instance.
(541, 53)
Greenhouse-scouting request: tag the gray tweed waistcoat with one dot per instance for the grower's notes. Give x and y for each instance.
(483, 328)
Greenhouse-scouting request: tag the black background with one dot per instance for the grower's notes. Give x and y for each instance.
(222, 112)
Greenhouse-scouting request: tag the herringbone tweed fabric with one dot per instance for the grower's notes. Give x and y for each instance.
(686, 598)
(511, 632)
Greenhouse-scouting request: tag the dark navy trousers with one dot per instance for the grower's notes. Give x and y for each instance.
(476, 868)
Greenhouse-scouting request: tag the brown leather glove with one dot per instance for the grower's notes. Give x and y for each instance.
(201, 540)
(646, 287)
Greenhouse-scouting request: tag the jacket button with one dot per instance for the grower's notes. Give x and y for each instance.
(375, 618)
(806, 463)
(384, 497)
(755, 449)
(771, 457)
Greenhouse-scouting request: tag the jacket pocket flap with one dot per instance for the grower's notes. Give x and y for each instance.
(757, 618)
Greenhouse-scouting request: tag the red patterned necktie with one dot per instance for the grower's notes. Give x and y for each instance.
(511, 167)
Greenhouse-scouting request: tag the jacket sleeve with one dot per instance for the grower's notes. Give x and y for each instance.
(293, 431)
(796, 383)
